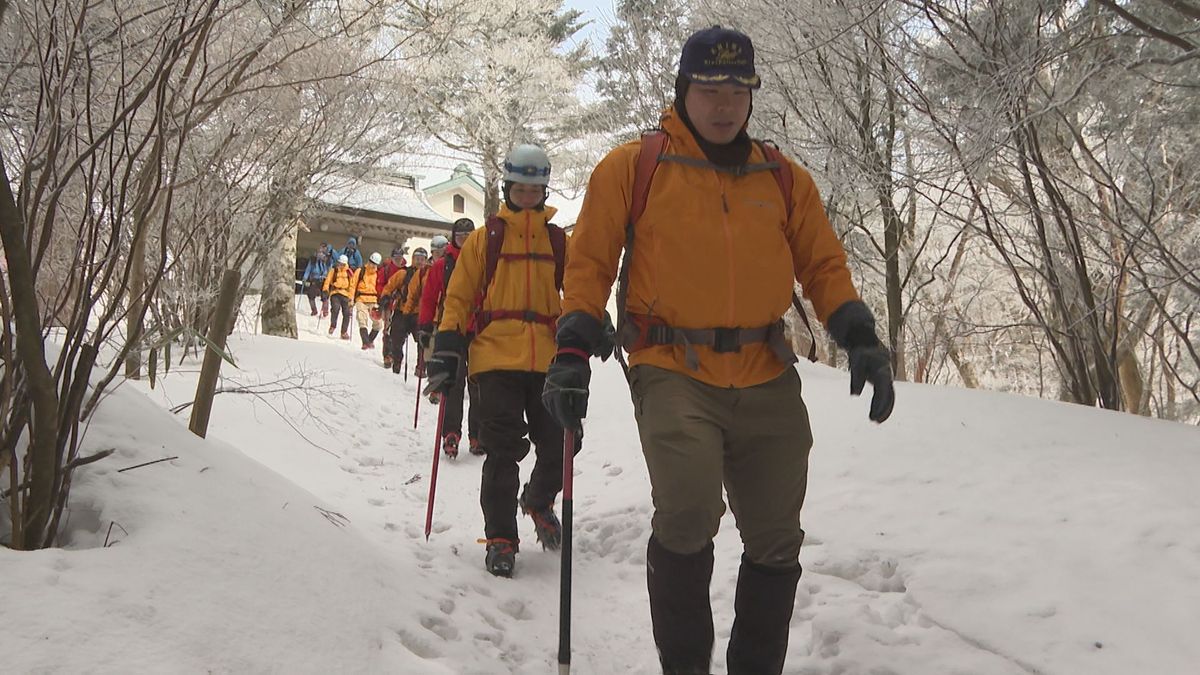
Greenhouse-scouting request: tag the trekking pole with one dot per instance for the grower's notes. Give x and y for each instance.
(437, 454)
(404, 352)
(564, 589)
(417, 412)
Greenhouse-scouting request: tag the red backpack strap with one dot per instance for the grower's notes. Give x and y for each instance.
(495, 242)
(654, 144)
(782, 172)
(558, 243)
(783, 176)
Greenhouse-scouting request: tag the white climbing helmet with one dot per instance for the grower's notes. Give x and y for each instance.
(376, 258)
(343, 259)
(527, 164)
(438, 242)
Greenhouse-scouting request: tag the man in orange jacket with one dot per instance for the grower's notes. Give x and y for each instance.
(402, 292)
(514, 318)
(715, 395)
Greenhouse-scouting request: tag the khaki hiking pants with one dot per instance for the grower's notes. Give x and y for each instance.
(753, 441)
(362, 314)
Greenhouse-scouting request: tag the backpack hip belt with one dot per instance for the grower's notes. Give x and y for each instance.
(483, 318)
(650, 332)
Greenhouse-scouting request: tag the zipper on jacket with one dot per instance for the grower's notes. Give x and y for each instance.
(529, 289)
(731, 258)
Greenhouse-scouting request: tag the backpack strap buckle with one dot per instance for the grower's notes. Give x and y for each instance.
(727, 340)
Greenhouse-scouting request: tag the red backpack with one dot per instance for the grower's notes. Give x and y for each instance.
(495, 243)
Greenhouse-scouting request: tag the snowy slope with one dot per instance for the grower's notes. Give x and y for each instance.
(973, 533)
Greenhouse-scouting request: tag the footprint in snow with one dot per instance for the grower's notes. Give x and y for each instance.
(870, 572)
(418, 645)
(516, 609)
(440, 626)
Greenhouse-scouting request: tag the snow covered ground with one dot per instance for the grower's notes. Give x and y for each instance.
(974, 532)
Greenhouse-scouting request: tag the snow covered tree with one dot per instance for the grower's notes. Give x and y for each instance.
(636, 73)
(499, 73)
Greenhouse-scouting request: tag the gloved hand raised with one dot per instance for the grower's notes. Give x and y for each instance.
(853, 328)
(442, 367)
(565, 394)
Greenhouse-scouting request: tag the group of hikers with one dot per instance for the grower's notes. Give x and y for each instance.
(400, 300)
(716, 228)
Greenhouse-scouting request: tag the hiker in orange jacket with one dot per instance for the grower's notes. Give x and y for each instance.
(399, 294)
(366, 298)
(513, 316)
(339, 284)
(716, 398)
(387, 271)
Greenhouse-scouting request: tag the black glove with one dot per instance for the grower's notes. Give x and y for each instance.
(565, 393)
(424, 335)
(442, 366)
(384, 301)
(582, 331)
(852, 326)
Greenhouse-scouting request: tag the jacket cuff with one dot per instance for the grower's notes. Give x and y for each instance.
(852, 325)
(449, 341)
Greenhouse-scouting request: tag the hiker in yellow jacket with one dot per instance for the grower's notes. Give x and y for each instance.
(513, 344)
(716, 398)
(340, 283)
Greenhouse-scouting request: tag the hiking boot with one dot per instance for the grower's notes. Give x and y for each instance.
(501, 557)
(331, 329)
(476, 448)
(435, 398)
(545, 523)
(345, 335)
(397, 365)
(419, 371)
(387, 362)
(450, 445)
(314, 313)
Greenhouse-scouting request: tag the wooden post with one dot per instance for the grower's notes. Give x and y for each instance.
(218, 330)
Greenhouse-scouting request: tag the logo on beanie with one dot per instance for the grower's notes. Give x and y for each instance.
(726, 54)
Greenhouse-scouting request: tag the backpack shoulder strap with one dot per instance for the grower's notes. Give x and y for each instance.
(495, 242)
(654, 144)
(558, 243)
(783, 176)
(782, 171)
